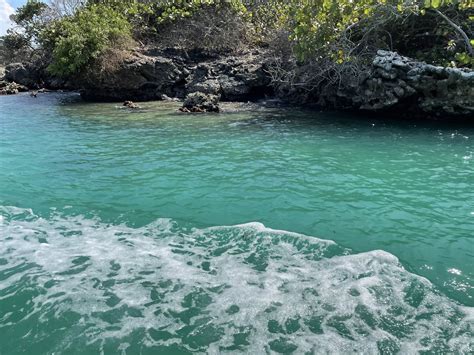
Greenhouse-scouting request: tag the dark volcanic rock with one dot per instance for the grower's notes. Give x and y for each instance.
(140, 77)
(35, 76)
(392, 83)
(151, 77)
(22, 74)
(400, 84)
(233, 78)
(200, 102)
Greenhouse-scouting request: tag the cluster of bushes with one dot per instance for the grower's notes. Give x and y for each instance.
(331, 36)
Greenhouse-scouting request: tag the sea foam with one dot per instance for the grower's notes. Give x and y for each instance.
(101, 287)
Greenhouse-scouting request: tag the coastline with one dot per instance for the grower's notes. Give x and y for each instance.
(394, 85)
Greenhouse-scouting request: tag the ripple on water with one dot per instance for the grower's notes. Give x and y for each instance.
(69, 283)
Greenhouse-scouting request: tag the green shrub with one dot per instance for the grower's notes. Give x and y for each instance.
(80, 40)
(30, 18)
(341, 29)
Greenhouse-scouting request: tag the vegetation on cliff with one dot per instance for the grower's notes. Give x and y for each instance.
(312, 42)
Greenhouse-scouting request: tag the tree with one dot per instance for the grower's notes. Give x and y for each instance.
(20, 41)
(80, 40)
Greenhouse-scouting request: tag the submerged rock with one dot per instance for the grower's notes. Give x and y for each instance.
(130, 104)
(200, 102)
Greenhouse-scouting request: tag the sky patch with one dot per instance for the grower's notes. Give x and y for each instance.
(5, 11)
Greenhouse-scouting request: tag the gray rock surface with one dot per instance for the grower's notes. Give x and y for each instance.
(138, 78)
(200, 102)
(34, 76)
(392, 82)
(21, 74)
(150, 77)
(400, 83)
(11, 88)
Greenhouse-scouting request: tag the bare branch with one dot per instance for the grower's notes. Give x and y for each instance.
(459, 30)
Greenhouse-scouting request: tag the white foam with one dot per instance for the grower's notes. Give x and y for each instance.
(287, 290)
(260, 227)
(454, 271)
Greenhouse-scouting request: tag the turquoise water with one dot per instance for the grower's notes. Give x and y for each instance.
(259, 230)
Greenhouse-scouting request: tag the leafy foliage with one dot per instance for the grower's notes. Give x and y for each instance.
(269, 18)
(28, 17)
(338, 28)
(13, 46)
(81, 39)
(20, 41)
(169, 11)
(75, 33)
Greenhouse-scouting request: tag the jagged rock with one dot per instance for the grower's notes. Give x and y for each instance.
(11, 88)
(149, 77)
(392, 83)
(208, 86)
(22, 74)
(233, 78)
(203, 79)
(139, 77)
(200, 102)
(34, 75)
(402, 84)
(433, 89)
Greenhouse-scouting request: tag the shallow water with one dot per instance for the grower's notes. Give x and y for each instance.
(129, 231)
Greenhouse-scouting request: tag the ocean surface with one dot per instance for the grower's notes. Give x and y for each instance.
(261, 230)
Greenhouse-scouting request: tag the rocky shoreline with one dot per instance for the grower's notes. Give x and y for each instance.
(392, 84)
(402, 84)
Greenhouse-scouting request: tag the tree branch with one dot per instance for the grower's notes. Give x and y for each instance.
(458, 30)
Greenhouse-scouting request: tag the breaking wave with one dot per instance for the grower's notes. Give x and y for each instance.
(101, 287)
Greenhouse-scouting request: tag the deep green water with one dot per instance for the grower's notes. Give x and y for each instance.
(149, 232)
